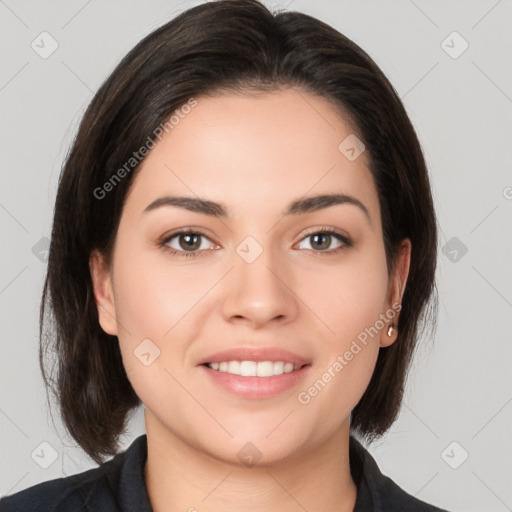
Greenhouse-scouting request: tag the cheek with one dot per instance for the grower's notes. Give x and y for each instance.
(349, 297)
(350, 303)
(336, 388)
(152, 300)
(152, 295)
(157, 300)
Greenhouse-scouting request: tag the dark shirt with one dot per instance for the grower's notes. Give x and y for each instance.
(118, 485)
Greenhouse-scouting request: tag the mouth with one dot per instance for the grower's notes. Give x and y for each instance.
(254, 368)
(255, 380)
(255, 372)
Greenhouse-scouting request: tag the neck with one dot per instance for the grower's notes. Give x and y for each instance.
(180, 476)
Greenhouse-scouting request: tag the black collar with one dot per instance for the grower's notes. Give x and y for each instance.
(375, 491)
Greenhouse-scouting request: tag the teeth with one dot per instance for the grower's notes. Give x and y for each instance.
(248, 369)
(234, 367)
(278, 368)
(253, 368)
(288, 367)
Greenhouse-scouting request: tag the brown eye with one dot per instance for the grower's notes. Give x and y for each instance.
(189, 241)
(322, 241)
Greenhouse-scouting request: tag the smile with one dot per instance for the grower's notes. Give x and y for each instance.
(255, 380)
(253, 368)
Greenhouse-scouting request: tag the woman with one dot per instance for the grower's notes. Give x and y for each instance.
(244, 241)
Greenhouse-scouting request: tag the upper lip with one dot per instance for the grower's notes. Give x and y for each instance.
(254, 354)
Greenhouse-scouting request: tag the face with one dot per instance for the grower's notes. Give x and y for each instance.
(266, 273)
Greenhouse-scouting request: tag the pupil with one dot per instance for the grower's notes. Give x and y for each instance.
(325, 237)
(190, 241)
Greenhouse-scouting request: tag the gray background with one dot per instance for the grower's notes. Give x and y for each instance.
(460, 385)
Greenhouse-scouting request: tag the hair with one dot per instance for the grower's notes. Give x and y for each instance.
(227, 46)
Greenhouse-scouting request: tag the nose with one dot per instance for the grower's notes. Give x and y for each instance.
(260, 291)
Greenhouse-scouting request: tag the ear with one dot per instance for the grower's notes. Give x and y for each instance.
(103, 294)
(397, 284)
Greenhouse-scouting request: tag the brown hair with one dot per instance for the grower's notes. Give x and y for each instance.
(239, 46)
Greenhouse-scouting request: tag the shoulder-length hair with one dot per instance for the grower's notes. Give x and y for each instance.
(225, 46)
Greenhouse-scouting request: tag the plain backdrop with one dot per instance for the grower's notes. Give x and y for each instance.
(450, 63)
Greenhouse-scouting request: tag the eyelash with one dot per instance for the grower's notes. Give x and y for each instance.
(186, 254)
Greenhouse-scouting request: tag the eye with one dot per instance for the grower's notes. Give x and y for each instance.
(186, 243)
(323, 239)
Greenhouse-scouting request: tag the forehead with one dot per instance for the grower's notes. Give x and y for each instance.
(248, 150)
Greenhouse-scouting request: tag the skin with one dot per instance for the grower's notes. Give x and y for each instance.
(255, 154)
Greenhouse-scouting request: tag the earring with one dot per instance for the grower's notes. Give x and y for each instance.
(391, 328)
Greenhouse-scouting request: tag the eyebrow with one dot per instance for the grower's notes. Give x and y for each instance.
(297, 207)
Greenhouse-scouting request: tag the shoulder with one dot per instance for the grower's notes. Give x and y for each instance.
(59, 495)
(392, 495)
(94, 489)
(377, 492)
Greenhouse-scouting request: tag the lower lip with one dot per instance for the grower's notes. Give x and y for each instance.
(256, 387)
